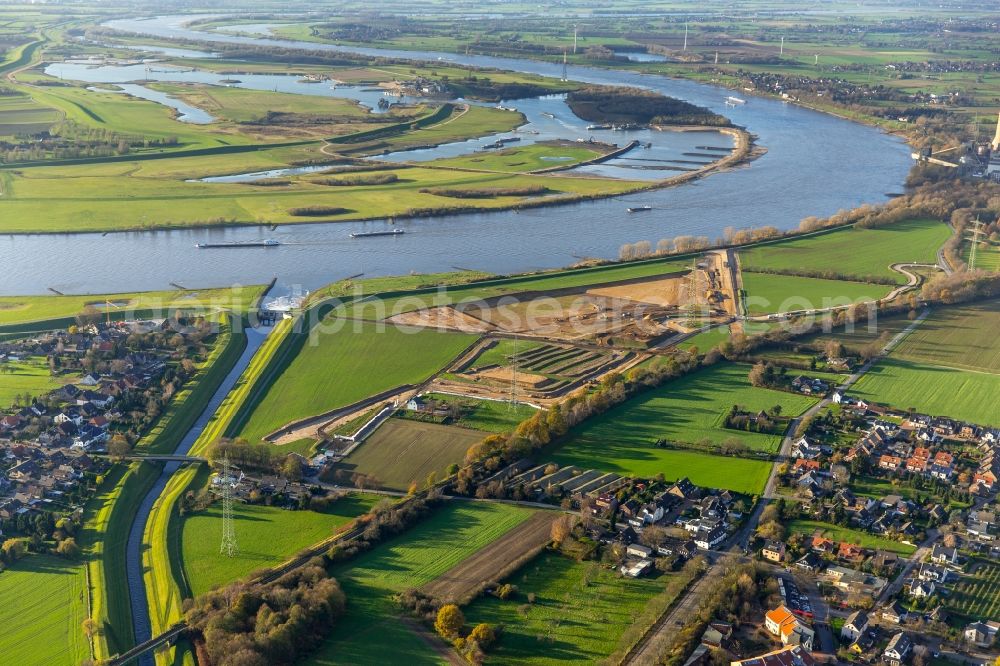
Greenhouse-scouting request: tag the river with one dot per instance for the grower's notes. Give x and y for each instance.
(133, 553)
(816, 164)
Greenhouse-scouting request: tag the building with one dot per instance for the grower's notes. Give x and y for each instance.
(638, 550)
(981, 634)
(897, 650)
(782, 623)
(944, 555)
(773, 551)
(793, 655)
(855, 626)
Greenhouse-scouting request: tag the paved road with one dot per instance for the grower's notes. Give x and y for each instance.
(647, 652)
(923, 550)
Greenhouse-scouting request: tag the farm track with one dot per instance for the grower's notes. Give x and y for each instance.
(483, 566)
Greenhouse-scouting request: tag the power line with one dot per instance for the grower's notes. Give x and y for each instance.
(229, 547)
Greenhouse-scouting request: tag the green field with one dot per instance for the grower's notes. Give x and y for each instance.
(836, 533)
(977, 594)
(370, 632)
(403, 451)
(29, 376)
(45, 606)
(80, 198)
(571, 620)
(21, 309)
(963, 336)
(858, 253)
(266, 535)
(707, 340)
(348, 365)
(767, 293)
(21, 115)
(684, 411)
(932, 389)
(544, 155)
(486, 415)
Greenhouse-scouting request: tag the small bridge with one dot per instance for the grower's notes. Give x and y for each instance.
(165, 638)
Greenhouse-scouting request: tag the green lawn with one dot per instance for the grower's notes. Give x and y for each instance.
(348, 365)
(933, 389)
(571, 620)
(837, 533)
(370, 632)
(266, 535)
(707, 340)
(29, 376)
(45, 604)
(767, 293)
(685, 411)
(858, 253)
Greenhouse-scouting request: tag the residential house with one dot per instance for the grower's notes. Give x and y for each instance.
(773, 551)
(894, 613)
(638, 550)
(890, 463)
(855, 626)
(897, 650)
(793, 655)
(981, 634)
(809, 562)
(922, 589)
(944, 555)
(781, 622)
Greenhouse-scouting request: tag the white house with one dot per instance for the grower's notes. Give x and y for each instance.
(981, 634)
(897, 650)
(855, 626)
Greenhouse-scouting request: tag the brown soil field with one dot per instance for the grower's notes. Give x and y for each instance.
(504, 375)
(663, 292)
(442, 317)
(489, 563)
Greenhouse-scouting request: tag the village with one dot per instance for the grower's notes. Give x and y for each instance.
(107, 383)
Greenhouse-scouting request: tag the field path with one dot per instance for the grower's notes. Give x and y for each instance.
(486, 564)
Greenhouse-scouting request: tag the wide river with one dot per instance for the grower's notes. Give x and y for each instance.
(816, 164)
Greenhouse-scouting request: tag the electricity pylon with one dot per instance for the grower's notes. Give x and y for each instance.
(229, 547)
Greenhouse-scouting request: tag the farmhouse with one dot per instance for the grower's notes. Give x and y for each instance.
(981, 634)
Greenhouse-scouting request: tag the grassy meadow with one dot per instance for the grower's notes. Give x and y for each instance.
(371, 632)
(932, 389)
(23, 309)
(46, 604)
(30, 376)
(348, 365)
(686, 411)
(534, 157)
(962, 336)
(580, 612)
(768, 293)
(860, 254)
(266, 535)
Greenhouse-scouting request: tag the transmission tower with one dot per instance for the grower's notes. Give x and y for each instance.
(513, 378)
(229, 547)
(565, 75)
(576, 29)
(975, 242)
(685, 37)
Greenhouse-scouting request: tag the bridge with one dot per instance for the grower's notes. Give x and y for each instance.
(157, 458)
(168, 636)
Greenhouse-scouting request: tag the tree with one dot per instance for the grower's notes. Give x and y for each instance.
(291, 469)
(13, 550)
(757, 373)
(67, 548)
(561, 528)
(483, 634)
(89, 627)
(119, 447)
(449, 621)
